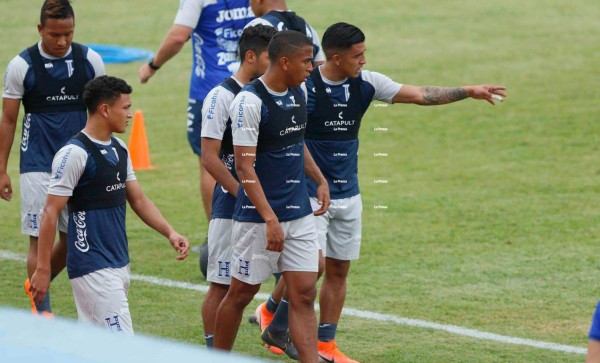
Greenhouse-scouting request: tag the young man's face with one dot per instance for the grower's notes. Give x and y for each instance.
(352, 60)
(119, 113)
(262, 63)
(57, 36)
(299, 66)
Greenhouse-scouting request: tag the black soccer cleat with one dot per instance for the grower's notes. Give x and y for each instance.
(281, 340)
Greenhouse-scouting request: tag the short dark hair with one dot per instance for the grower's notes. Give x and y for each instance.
(103, 89)
(341, 36)
(56, 9)
(255, 38)
(286, 43)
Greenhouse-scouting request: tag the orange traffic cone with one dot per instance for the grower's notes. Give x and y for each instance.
(138, 143)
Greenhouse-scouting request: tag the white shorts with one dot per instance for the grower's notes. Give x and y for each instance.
(253, 264)
(339, 229)
(219, 251)
(34, 189)
(101, 299)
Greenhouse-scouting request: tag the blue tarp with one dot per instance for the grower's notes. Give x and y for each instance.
(120, 54)
(25, 338)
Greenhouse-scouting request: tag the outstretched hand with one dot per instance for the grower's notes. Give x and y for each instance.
(486, 92)
(180, 244)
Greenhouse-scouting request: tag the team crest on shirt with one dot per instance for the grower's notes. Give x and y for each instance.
(347, 91)
(70, 67)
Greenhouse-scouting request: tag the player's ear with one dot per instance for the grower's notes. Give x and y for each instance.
(284, 63)
(103, 109)
(250, 57)
(336, 59)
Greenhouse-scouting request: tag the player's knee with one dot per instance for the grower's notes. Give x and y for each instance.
(337, 270)
(303, 295)
(242, 294)
(217, 290)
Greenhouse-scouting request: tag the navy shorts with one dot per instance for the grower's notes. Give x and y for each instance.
(194, 124)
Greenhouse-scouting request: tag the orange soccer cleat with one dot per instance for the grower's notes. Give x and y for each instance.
(33, 307)
(263, 319)
(329, 352)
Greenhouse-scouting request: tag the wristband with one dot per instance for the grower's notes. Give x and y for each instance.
(152, 65)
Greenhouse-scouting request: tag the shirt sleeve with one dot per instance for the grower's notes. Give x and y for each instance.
(97, 63)
(14, 78)
(385, 87)
(130, 173)
(320, 56)
(67, 168)
(245, 113)
(189, 12)
(215, 113)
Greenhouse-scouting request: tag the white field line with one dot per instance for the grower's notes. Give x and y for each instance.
(453, 329)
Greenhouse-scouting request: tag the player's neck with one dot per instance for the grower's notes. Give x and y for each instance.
(278, 8)
(95, 129)
(244, 75)
(330, 71)
(278, 5)
(274, 81)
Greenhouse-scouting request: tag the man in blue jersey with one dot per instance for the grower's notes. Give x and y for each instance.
(277, 14)
(94, 176)
(215, 27)
(339, 93)
(273, 227)
(218, 159)
(48, 78)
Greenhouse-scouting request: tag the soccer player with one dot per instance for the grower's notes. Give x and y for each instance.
(215, 27)
(273, 225)
(217, 158)
(339, 93)
(94, 176)
(48, 78)
(277, 14)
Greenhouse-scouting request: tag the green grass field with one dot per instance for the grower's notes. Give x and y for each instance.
(492, 217)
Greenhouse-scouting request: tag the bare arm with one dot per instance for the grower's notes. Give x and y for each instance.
(8, 126)
(170, 46)
(216, 168)
(147, 211)
(244, 165)
(40, 280)
(312, 170)
(431, 95)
